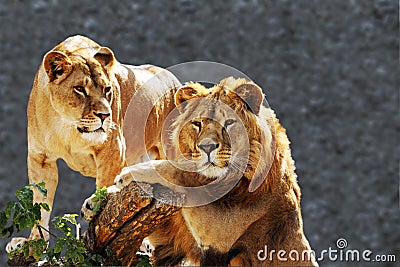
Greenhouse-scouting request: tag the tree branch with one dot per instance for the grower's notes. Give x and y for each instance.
(128, 217)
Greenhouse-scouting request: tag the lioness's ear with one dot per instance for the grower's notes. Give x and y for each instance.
(106, 57)
(57, 66)
(185, 93)
(252, 95)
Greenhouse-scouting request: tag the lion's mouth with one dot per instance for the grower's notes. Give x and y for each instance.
(86, 130)
(212, 171)
(215, 164)
(209, 163)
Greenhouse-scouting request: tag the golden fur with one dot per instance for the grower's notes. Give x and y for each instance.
(262, 209)
(76, 108)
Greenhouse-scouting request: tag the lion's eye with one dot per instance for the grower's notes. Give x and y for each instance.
(197, 124)
(80, 89)
(229, 122)
(107, 90)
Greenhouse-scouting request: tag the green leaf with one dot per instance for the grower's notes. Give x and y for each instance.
(26, 218)
(109, 251)
(4, 217)
(35, 212)
(61, 224)
(3, 220)
(94, 260)
(25, 197)
(8, 231)
(60, 245)
(100, 194)
(10, 208)
(97, 207)
(40, 187)
(100, 198)
(25, 249)
(51, 256)
(145, 261)
(45, 206)
(38, 247)
(22, 221)
(70, 218)
(81, 259)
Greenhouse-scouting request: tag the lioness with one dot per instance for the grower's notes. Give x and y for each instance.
(228, 134)
(75, 112)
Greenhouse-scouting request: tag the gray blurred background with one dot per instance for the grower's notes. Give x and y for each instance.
(329, 69)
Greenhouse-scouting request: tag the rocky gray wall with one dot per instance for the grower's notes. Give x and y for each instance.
(329, 69)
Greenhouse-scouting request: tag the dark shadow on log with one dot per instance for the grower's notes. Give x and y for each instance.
(20, 260)
(128, 217)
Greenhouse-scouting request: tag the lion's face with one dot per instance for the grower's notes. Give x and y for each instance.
(205, 140)
(82, 92)
(219, 128)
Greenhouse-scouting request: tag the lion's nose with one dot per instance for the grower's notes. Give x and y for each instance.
(102, 116)
(208, 148)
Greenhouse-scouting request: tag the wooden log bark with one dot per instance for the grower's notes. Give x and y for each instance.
(128, 217)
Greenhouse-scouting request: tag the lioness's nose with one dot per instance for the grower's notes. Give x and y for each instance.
(102, 116)
(208, 148)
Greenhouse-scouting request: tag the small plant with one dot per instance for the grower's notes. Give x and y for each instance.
(23, 214)
(145, 260)
(100, 197)
(67, 249)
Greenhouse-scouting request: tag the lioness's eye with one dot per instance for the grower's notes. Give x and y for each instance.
(197, 124)
(229, 122)
(80, 89)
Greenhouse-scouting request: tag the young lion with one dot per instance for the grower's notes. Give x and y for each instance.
(75, 112)
(234, 163)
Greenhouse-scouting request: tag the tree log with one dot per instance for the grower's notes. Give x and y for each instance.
(129, 216)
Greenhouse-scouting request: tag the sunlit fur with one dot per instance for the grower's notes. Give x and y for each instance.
(75, 112)
(262, 209)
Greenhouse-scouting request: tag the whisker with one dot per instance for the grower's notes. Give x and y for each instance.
(237, 168)
(239, 158)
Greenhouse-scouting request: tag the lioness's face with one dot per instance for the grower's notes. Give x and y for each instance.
(82, 94)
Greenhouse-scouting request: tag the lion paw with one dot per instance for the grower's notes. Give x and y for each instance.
(87, 210)
(123, 179)
(146, 248)
(15, 243)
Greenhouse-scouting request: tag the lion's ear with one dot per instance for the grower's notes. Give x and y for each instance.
(57, 66)
(252, 95)
(185, 93)
(106, 57)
